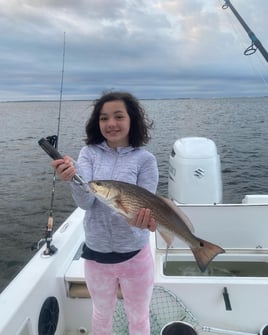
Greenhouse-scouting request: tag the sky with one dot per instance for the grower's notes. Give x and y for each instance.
(151, 48)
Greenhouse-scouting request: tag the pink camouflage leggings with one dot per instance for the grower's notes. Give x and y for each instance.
(136, 277)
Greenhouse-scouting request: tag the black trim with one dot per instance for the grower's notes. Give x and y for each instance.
(107, 257)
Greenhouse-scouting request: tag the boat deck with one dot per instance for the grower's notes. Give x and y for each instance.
(177, 296)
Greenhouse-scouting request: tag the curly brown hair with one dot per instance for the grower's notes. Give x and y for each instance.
(139, 123)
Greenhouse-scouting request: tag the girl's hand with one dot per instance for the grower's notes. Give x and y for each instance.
(143, 220)
(65, 168)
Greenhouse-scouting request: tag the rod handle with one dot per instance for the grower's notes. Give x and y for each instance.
(49, 149)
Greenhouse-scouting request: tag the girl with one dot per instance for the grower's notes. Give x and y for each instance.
(116, 250)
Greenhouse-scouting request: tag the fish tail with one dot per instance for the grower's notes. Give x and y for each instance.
(205, 252)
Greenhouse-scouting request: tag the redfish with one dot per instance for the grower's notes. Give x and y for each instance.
(127, 199)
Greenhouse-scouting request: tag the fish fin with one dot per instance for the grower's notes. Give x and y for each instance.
(166, 235)
(205, 252)
(117, 204)
(179, 211)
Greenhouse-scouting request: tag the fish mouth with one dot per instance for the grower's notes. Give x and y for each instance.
(91, 187)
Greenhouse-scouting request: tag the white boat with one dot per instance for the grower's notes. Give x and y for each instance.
(49, 295)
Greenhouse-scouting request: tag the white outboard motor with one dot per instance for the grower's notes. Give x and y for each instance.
(195, 172)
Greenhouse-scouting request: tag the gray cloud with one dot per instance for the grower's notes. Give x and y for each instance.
(155, 48)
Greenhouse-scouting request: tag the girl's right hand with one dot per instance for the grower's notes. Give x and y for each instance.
(65, 168)
(143, 220)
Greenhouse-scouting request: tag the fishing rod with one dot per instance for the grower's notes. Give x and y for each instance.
(53, 142)
(256, 44)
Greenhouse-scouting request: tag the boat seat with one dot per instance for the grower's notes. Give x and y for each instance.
(79, 290)
(75, 279)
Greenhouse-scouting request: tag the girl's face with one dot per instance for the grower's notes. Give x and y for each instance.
(114, 123)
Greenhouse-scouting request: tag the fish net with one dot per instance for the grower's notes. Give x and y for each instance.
(165, 307)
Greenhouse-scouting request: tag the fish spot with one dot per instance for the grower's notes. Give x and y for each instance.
(201, 244)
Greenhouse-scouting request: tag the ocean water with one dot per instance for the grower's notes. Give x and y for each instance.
(238, 126)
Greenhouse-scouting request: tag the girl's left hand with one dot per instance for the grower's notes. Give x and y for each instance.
(143, 220)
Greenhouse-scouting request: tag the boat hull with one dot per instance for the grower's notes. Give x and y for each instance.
(231, 301)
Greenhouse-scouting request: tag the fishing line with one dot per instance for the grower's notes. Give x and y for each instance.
(50, 249)
(54, 141)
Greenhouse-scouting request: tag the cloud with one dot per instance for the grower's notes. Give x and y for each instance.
(138, 45)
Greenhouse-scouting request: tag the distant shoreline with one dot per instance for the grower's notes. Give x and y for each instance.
(142, 99)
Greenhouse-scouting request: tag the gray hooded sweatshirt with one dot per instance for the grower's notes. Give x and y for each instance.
(105, 230)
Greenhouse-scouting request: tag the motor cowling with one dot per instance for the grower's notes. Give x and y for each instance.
(195, 172)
